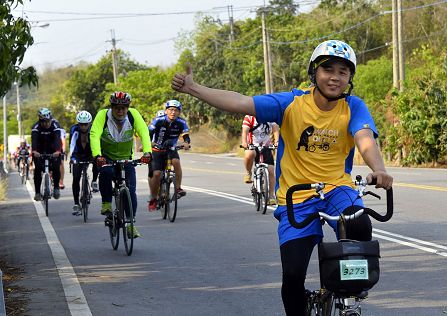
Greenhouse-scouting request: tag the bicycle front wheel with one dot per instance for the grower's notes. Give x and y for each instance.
(114, 225)
(127, 219)
(264, 196)
(172, 194)
(23, 173)
(85, 198)
(46, 191)
(164, 197)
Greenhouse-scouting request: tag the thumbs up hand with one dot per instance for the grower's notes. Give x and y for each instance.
(183, 82)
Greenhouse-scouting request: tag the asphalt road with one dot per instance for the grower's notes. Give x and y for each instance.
(219, 257)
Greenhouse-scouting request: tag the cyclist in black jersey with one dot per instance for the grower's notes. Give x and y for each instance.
(45, 139)
(165, 130)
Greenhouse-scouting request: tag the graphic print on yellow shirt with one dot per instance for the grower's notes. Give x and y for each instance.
(315, 145)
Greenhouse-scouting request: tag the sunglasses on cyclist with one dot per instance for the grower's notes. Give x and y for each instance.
(83, 124)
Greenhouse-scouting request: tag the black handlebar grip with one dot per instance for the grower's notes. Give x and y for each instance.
(289, 201)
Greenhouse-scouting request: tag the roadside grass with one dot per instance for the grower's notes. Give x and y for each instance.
(3, 189)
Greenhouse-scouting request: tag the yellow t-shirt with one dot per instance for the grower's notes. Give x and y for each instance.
(315, 146)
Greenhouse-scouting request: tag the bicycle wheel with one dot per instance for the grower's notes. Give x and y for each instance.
(127, 221)
(27, 171)
(172, 196)
(264, 196)
(23, 172)
(85, 197)
(46, 183)
(163, 198)
(114, 225)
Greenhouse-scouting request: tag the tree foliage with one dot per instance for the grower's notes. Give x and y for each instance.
(412, 122)
(15, 38)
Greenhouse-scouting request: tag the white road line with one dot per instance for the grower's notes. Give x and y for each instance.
(411, 242)
(73, 292)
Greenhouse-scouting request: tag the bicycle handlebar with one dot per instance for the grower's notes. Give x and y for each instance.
(316, 215)
(134, 162)
(176, 147)
(254, 147)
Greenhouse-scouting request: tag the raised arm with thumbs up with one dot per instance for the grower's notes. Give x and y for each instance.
(222, 99)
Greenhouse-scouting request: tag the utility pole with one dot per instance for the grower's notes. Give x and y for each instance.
(230, 17)
(267, 60)
(19, 112)
(114, 57)
(5, 134)
(401, 48)
(396, 81)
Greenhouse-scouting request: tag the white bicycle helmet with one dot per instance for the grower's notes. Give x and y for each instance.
(160, 113)
(331, 48)
(44, 114)
(84, 117)
(173, 104)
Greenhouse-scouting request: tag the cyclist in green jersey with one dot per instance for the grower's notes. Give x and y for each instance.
(111, 138)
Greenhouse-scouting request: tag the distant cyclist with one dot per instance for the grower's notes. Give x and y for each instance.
(260, 134)
(80, 151)
(112, 138)
(45, 139)
(23, 153)
(167, 129)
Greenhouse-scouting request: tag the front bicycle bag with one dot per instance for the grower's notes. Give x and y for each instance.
(349, 267)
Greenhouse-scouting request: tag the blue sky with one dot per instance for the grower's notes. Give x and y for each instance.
(79, 30)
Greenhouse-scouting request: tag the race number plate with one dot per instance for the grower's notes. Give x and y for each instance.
(353, 270)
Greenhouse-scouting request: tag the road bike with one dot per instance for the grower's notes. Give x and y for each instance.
(24, 166)
(261, 185)
(348, 268)
(86, 190)
(122, 215)
(167, 195)
(46, 186)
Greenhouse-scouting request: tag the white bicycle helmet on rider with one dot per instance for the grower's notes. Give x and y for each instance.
(160, 113)
(84, 117)
(44, 114)
(330, 49)
(173, 104)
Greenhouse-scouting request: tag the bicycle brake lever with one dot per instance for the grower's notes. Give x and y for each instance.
(373, 194)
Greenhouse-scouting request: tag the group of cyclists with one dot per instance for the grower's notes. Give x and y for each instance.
(104, 139)
(325, 118)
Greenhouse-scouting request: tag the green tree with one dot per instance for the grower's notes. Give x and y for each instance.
(15, 38)
(420, 131)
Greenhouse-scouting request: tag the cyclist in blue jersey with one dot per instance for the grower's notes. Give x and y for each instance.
(319, 129)
(165, 131)
(80, 151)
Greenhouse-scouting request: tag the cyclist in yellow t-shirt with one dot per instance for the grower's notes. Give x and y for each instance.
(320, 128)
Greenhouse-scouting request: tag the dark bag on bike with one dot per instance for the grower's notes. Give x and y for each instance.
(349, 267)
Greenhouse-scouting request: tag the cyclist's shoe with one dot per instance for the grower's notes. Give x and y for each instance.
(272, 201)
(133, 232)
(38, 197)
(106, 208)
(152, 206)
(56, 193)
(95, 187)
(181, 192)
(247, 178)
(76, 210)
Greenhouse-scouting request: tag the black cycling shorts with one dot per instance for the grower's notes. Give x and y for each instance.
(268, 156)
(159, 158)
